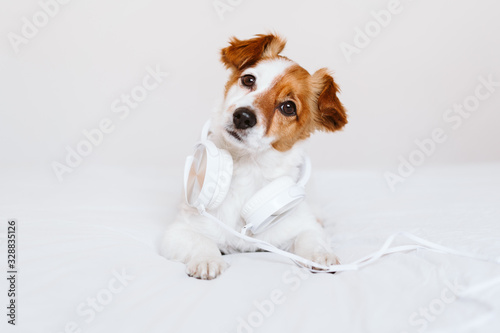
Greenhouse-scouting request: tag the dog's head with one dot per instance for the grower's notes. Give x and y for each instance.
(272, 102)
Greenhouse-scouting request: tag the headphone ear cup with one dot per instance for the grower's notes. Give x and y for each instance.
(224, 177)
(271, 200)
(207, 176)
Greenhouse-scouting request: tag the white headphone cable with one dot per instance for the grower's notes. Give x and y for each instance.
(385, 249)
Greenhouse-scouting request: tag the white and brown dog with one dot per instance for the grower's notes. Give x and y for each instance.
(270, 105)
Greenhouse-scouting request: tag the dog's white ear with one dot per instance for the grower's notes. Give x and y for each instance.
(330, 115)
(241, 54)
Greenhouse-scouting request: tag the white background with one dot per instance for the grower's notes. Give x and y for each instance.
(396, 89)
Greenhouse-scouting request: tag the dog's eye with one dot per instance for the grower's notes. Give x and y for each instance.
(288, 108)
(248, 80)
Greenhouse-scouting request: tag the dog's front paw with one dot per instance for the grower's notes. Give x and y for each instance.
(206, 268)
(325, 259)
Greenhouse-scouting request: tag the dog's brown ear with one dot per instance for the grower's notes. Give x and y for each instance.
(241, 54)
(331, 115)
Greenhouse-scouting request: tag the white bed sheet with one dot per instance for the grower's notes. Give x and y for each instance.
(76, 237)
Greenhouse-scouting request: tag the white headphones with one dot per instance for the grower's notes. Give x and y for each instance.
(207, 178)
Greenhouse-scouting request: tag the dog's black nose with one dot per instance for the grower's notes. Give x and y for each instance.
(244, 118)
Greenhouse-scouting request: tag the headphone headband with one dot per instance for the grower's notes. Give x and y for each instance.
(205, 130)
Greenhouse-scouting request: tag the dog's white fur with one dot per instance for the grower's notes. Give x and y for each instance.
(198, 241)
